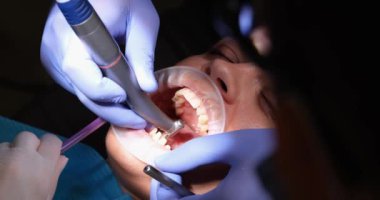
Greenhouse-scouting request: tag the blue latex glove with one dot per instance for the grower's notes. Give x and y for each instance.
(243, 150)
(134, 23)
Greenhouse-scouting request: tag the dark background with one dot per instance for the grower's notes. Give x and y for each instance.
(29, 95)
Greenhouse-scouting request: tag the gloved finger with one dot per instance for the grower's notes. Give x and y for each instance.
(87, 76)
(160, 191)
(62, 161)
(55, 37)
(199, 151)
(116, 114)
(26, 140)
(50, 147)
(55, 71)
(141, 36)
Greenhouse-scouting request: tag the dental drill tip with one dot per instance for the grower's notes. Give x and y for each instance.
(177, 125)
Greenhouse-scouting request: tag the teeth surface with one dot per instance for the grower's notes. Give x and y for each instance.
(153, 132)
(190, 97)
(162, 141)
(203, 129)
(178, 102)
(157, 136)
(186, 95)
(201, 111)
(194, 102)
(202, 119)
(179, 111)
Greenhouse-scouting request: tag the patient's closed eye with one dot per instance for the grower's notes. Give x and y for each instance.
(226, 53)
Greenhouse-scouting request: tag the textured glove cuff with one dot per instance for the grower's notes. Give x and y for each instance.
(76, 11)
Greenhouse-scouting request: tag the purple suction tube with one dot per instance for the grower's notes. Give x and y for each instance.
(86, 131)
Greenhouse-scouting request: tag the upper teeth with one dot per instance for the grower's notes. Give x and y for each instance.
(179, 99)
(185, 94)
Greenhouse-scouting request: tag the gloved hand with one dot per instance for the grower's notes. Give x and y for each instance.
(133, 23)
(30, 167)
(243, 150)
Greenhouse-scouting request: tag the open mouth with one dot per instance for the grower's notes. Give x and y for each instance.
(184, 93)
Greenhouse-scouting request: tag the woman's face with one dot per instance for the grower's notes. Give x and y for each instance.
(247, 100)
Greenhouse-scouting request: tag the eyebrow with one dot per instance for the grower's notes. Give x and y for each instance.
(232, 51)
(221, 45)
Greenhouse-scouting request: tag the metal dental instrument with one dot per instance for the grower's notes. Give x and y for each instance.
(106, 53)
(162, 178)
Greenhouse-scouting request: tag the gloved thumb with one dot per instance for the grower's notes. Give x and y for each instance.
(227, 148)
(143, 68)
(140, 42)
(200, 151)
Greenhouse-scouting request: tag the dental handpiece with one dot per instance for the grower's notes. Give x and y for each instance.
(107, 55)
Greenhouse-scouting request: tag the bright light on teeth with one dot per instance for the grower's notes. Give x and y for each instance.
(180, 98)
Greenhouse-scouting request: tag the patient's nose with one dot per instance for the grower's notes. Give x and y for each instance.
(233, 79)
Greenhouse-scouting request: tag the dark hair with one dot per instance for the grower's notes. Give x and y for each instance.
(319, 55)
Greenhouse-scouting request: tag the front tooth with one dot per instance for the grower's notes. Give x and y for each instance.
(180, 92)
(179, 111)
(178, 95)
(203, 129)
(202, 119)
(178, 100)
(157, 136)
(195, 102)
(153, 132)
(190, 97)
(201, 110)
(162, 141)
(168, 147)
(179, 103)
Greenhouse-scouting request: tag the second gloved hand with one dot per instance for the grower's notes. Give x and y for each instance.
(133, 23)
(242, 150)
